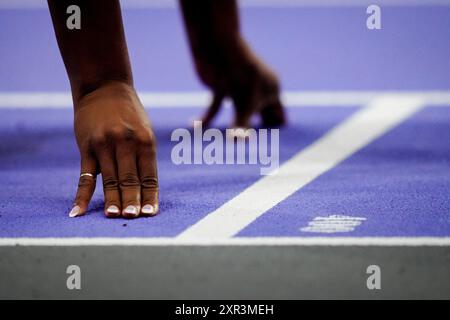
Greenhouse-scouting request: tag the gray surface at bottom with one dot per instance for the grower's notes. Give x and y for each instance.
(224, 272)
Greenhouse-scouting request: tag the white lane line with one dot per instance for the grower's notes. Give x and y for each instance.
(29, 100)
(270, 241)
(339, 143)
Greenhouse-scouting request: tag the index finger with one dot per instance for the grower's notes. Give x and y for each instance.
(86, 185)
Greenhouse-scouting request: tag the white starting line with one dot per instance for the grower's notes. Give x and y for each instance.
(292, 99)
(257, 241)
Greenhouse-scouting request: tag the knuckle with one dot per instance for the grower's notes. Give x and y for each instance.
(99, 140)
(117, 133)
(85, 182)
(146, 139)
(120, 133)
(129, 180)
(149, 182)
(110, 183)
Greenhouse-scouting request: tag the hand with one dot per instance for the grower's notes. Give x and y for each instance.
(115, 138)
(252, 86)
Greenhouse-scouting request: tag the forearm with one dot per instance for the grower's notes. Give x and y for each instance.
(97, 52)
(213, 30)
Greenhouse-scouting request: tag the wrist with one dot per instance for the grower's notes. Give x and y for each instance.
(111, 88)
(83, 88)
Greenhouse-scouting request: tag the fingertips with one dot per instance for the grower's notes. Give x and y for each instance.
(213, 109)
(150, 203)
(112, 201)
(131, 200)
(75, 211)
(148, 209)
(273, 115)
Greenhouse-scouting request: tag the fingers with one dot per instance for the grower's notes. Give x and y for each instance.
(86, 185)
(273, 115)
(128, 166)
(106, 158)
(244, 106)
(212, 109)
(148, 176)
(129, 181)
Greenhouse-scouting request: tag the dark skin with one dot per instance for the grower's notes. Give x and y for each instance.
(226, 64)
(113, 132)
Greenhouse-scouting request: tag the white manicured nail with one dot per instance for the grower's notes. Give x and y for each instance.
(113, 209)
(131, 210)
(147, 209)
(74, 212)
(195, 123)
(238, 132)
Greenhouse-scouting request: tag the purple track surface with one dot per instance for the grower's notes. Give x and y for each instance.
(400, 183)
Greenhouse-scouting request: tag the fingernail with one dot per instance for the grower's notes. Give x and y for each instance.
(113, 209)
(196, 123)
(239, 133)
(147, 209)
(74, 212)
(131, 210)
